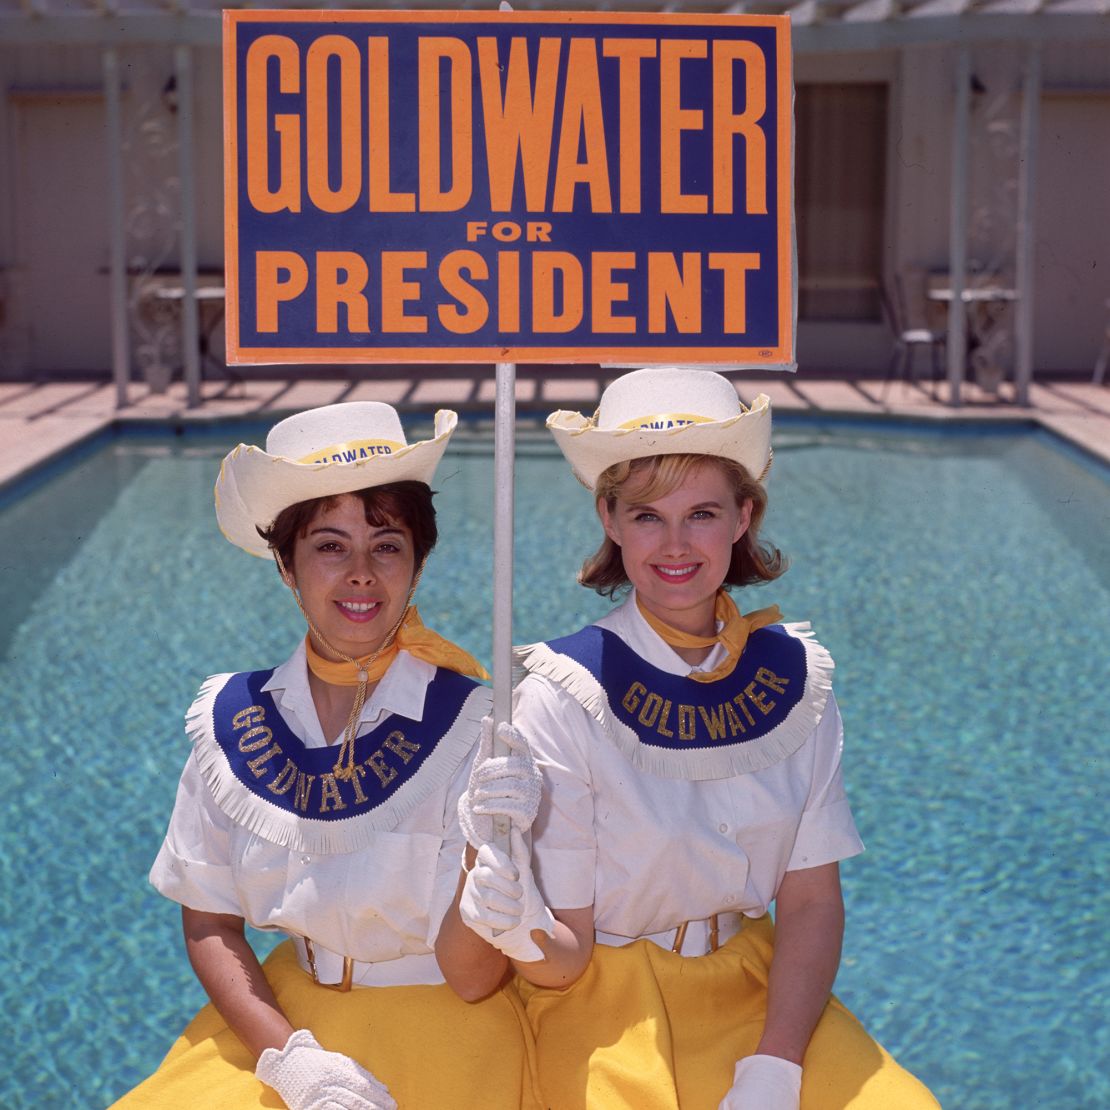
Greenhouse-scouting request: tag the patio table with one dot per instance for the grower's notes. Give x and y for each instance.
(987, 337)
(158, 301)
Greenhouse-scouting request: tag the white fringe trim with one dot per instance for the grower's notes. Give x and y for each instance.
(301, 833)
(719, 762)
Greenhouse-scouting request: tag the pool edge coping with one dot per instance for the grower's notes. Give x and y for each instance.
(111, 426)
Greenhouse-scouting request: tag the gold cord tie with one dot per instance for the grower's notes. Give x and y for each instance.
(345, 763)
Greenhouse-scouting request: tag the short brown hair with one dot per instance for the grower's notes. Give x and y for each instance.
(408, 503)
(751, 562)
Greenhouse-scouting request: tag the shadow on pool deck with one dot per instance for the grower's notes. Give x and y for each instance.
(39, 421)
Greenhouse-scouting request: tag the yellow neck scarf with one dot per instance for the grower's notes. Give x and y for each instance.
(733, 635)
(412, 636)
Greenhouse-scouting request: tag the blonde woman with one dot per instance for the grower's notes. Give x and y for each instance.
(692, 780)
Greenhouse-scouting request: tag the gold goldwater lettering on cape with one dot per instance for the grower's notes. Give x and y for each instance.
(705, 724)
(280, 778)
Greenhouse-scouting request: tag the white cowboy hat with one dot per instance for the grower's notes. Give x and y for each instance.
(666, 411)
(319, 453)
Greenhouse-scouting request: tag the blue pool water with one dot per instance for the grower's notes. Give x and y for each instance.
(961, 581)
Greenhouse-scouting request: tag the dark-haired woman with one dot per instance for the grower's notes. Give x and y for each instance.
(320, 799)
(691, 762)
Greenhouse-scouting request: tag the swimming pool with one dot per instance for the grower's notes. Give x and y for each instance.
(961, 581)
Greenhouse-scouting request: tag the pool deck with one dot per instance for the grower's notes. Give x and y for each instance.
(41, 420)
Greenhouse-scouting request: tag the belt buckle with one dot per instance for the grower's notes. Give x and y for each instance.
(344, 984)
(714, 935)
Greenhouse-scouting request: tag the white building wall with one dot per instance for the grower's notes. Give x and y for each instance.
(1072, 182)
(54, 215)
(1070, 204)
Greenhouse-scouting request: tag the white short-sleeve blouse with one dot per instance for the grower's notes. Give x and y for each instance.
(650, 852)
(383, 902)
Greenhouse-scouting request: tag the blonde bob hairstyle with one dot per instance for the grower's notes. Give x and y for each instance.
(657, 476)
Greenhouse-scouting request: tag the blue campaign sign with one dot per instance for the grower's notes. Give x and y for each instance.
(522, 187)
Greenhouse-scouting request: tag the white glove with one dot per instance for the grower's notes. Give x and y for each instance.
(309, 1077)
(503, 786)
(501, 904)
(764, 1083)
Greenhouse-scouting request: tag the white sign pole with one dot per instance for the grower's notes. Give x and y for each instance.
(503, 441)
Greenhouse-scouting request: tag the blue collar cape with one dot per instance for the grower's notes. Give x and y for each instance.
(676, 727)
(264, 777)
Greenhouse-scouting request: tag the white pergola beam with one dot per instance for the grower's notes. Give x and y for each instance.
(873, 11)
(806, 13)
(828, 29)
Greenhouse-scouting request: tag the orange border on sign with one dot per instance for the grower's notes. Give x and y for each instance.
(782, 356)
(231, 193)
(785, 69)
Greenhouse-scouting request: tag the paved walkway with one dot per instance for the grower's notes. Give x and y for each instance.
(41, 420)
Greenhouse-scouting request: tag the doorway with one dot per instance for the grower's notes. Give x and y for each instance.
(1072, 259)
(61, 231)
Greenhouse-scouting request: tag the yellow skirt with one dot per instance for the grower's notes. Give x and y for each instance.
(646, 1029)
(426, 1044)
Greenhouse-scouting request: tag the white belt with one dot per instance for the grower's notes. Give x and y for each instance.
(692, 938)
(341, 973)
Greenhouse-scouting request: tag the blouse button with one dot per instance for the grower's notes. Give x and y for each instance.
(729, 899)
(722, 827)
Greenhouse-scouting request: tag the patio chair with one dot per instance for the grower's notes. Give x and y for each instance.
(904, 306)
